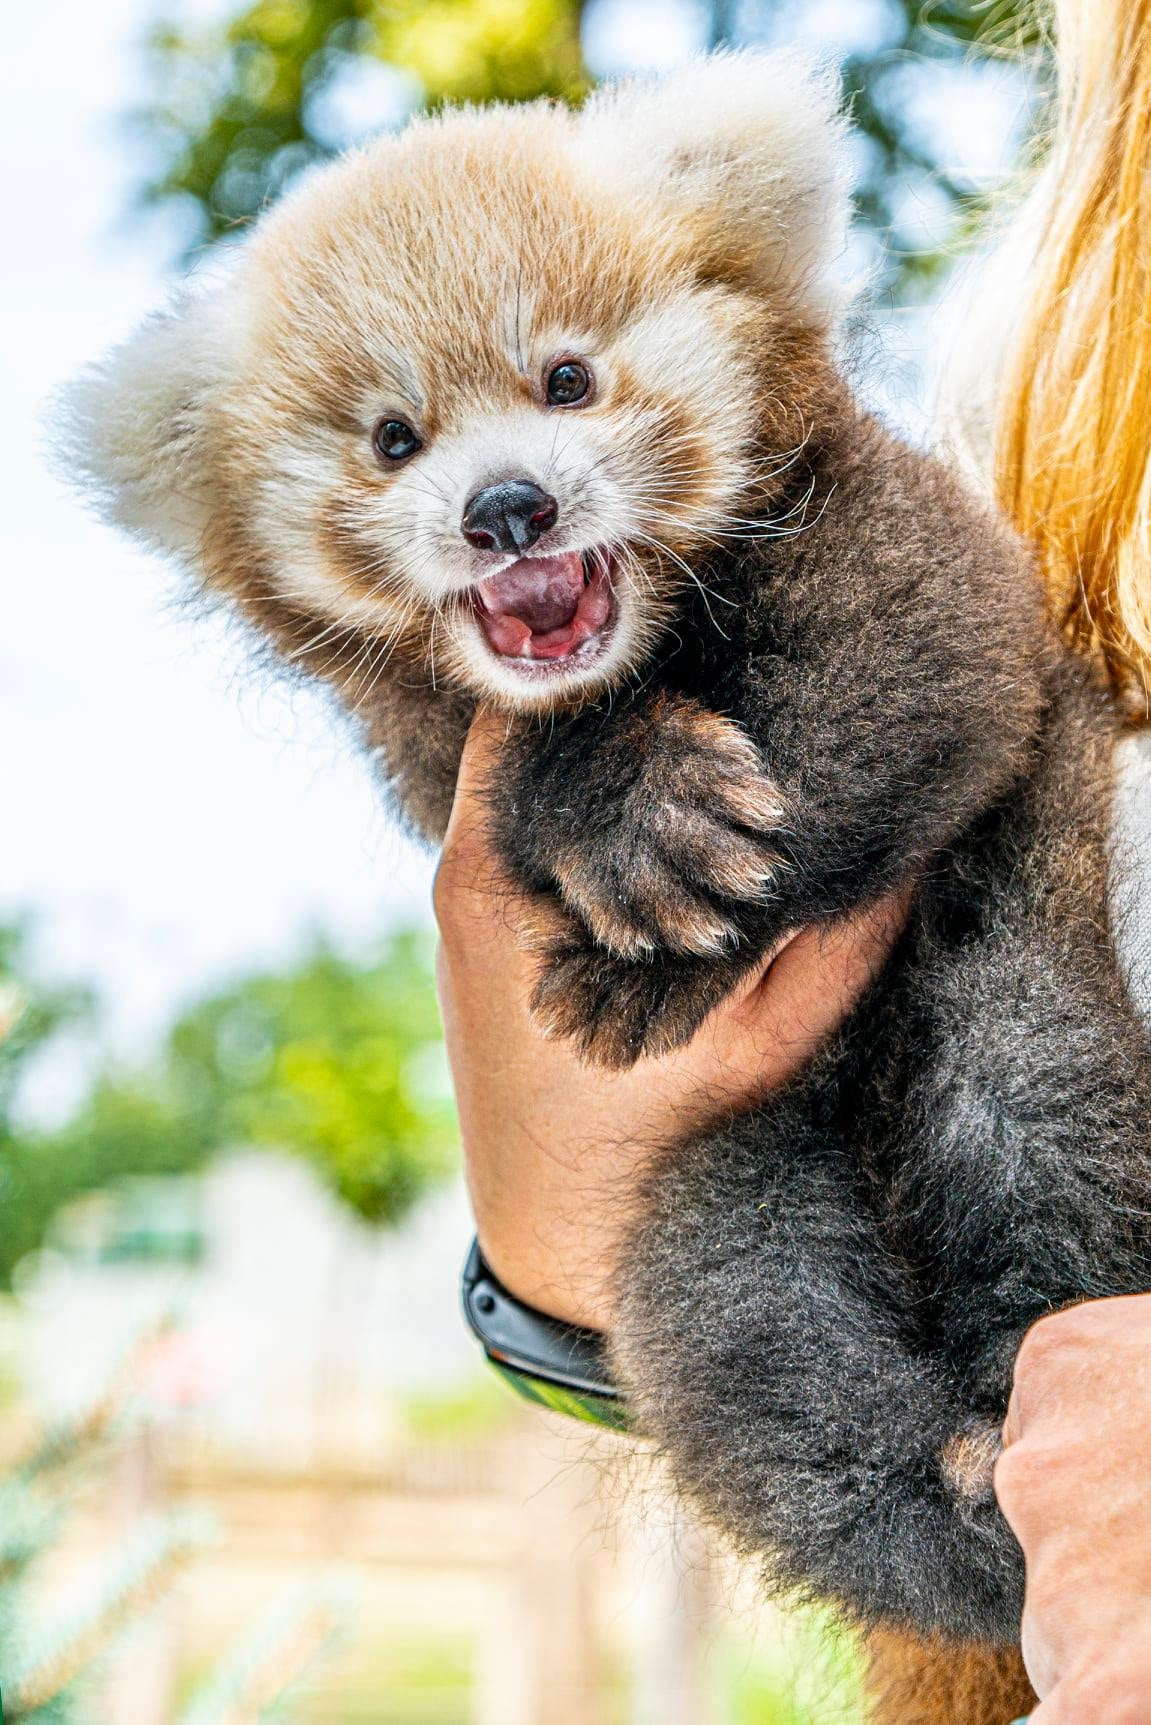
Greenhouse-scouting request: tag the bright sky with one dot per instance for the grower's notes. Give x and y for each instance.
(168, 819)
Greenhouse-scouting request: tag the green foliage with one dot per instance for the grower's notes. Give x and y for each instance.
(33, 1020)
(412, 1679)
(238, 109)
(466, 1412)
(120, 1131)
(337, 1060)
(900, 169)
(31, 1016)
(807, 1673)
(235, 117)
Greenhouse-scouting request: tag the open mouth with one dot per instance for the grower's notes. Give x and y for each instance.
(548, 613)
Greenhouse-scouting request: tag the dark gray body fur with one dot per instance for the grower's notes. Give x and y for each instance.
(825, 1291)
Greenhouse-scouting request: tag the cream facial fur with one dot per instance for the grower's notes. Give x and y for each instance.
(670, 243)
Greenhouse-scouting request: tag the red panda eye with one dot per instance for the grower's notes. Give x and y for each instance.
(395, 440)
(568, 383)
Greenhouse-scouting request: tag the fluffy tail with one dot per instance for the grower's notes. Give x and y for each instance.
(914, 1682)
(1073, 461)
(767, 1341)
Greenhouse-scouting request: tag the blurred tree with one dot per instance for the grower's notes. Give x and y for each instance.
(120, 1129)
(901, 170)
(340, 1062)
(335, 1060)
(31, 1016)
(241, 108)
(34, 1021)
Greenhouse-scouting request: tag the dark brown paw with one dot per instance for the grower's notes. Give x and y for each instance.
(617, 1010)
(689, 841)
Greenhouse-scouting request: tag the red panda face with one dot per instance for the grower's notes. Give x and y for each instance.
(477, 396)
(486, 410)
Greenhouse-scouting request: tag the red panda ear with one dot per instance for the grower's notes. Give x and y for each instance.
(750, 147)
(133, 423)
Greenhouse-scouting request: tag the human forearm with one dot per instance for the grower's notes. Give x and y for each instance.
(547, 1172)
(1074, 1481)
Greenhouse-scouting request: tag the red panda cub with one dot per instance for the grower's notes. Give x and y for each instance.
(541, 409)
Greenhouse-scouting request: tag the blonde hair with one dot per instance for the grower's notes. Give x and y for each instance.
(1073, 447)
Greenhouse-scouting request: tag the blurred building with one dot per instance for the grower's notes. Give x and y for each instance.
(296, 1332)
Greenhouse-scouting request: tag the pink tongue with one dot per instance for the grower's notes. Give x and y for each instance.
(531, 597)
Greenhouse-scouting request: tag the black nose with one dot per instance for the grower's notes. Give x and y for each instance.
(508, 517)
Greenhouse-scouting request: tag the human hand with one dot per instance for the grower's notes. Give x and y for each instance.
(555, 1149)
(1074, 1481)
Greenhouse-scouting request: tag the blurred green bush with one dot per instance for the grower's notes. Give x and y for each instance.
(334, 1059)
